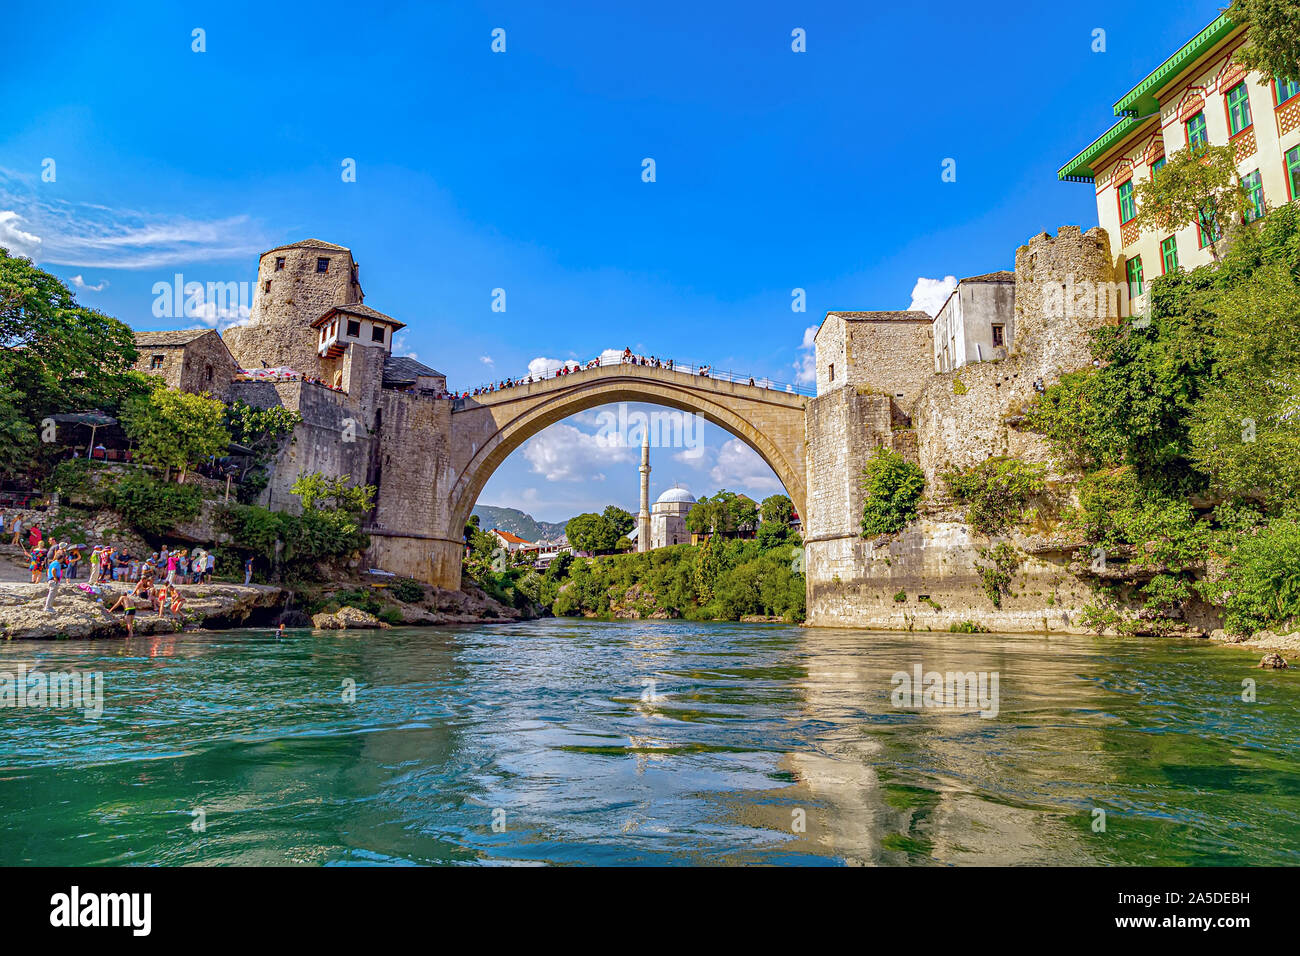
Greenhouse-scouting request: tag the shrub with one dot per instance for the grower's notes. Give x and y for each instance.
(154, 507)
(1261, 585)
(996, 491)
(967, 627)
(893, 487)
(407, 591)
(997, 575)
(900, 597)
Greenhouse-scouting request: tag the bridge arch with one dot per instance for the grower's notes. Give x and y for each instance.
(487, 429)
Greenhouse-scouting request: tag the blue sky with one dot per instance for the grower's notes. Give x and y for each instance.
(775, 170)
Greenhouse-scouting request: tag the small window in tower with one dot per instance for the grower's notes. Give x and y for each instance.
(322, 265)
(209, 373)
(377, 334)
(279, 263)
(999, 337)
(354, 329)
(156, 361)
(831, 370)
(266, 286)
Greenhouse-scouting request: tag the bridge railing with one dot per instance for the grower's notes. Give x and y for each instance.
(611, 357)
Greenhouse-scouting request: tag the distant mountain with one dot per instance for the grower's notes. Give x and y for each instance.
(518, 522)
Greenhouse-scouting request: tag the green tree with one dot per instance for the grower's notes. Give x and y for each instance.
(591, 533)
(174, 429)
(316, 490)
(996, 492)
(260, 430)
(777, 508)
(1197, 185)
(1273, 27)
(893, 487)
(621, 521)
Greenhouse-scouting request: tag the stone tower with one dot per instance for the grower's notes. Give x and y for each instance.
(296, 283)
(643, 516)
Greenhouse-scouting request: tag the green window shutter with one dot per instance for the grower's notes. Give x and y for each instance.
(1196, 135)
(1127, 209)
(1293, 171)
(1238, 108)
(1253, 185)
(1285, 89)
(1158, 165)
(1169, 254)
(1134, 267)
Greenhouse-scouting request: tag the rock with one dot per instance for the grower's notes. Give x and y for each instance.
(347, 618)
(78, 615)
(1273, 661)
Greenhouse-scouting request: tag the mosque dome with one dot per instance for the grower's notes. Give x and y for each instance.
(676, 496)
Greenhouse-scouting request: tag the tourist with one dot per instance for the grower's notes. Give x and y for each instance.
(53, 577)
(18, 530)
(248, 570)
(173, 561)
(74, 559)
(177, 601)
(35, 562)
(34, 536)
(94, 566)
(210, 565)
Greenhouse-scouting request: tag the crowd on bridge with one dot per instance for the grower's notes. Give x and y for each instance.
(571, 367)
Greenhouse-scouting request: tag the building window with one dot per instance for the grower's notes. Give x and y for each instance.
(1127, 207)
(1134, 270)
(322, 265)
(156, 362)
(279, 263)
(1158, 165)
(1253, 186)
(377, 334)
(1293, 171)
(1238, 108)
(354, 329)
(209, 371)
(832, 371)
(999, 336)
(266, 286)
(1284, 89)
(1169, 254)
(1196, 135)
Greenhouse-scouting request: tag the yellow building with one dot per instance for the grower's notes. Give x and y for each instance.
(1200, 94)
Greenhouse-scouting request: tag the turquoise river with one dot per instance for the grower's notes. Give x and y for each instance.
(575, 742)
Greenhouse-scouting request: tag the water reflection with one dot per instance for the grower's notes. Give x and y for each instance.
(648, 742)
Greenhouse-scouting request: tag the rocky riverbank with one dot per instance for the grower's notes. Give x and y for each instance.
(77, 614)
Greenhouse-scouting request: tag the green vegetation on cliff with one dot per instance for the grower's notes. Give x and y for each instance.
(1187, 435)
(893, 488)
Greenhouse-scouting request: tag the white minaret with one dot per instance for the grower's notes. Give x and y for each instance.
(643, 517)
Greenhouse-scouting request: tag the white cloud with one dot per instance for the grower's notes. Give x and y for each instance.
(564, 453)
(486, 360)
(91, 236)
(85, 286)
(929, 295)
(17, 241)
(739, 466)
(805, 366)
(399, 345)
(219, 318)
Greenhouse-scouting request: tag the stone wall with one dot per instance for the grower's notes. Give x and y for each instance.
(331, 438)
(887, 352)
(969, 415)
(203, 364)
(278, 330)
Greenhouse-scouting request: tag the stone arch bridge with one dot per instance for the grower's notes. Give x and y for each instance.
(482, 431)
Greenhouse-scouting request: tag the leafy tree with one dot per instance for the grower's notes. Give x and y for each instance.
(315, 490)
(1273, 27)
(1261, 584)
(175, 429)
(724, 513)
(777, 508)
(260, 430)
(1197, 185)
(591, 533)
(621, 521)
(893, 487)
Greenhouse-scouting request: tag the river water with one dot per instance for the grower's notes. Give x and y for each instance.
(648, 743)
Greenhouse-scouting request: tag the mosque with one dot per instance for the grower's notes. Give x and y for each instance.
(665, 523)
